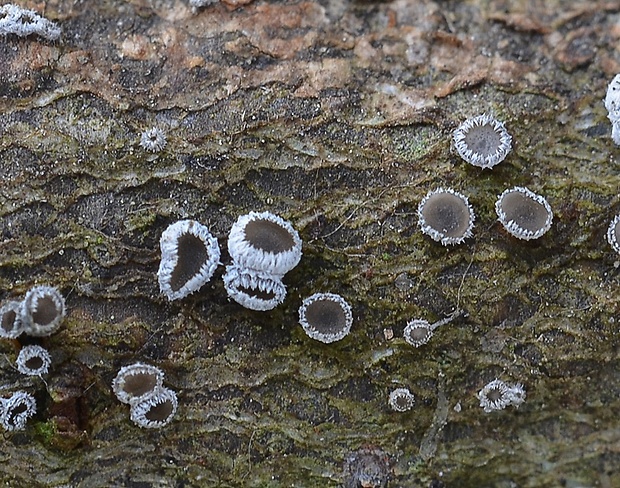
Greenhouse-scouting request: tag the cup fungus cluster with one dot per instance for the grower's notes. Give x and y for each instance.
(39, 314)
(326, 317)
(498, 395)
(139, 385)
(263, 248)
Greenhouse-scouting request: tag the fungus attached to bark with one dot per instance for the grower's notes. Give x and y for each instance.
(523, 213)
(326, 317)
(156, 410)
(33, 360)
(189, 257)
(137, 382)
(42, 311)
(264, 242)
(446, 216)
(613, 234)
(16, 410)
(11, 325)
(401, 400)
(418, 332)
(497, 395)
(153, 139)
(252, 289)
(23, 22)
(612, 104)
(482, 141)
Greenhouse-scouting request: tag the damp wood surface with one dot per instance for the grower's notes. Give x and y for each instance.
(337, 115)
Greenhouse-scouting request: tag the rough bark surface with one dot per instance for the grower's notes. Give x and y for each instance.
(336, 115)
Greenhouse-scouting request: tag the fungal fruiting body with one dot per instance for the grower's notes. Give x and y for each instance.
(141, 386)
(153, 139)
(263, 247)
(523, 213)
(418, 332)
(252, 289)
(612, 104)
(33, 360)
(401, 400)
(497, 395)
(326, 317)
(136, 382)
(156, 410)
(446, 216)
(613, 234)
(23, 22)
(42, 311)
(264, 242)
(189, 257)
(16, 410)
(11, 325)
(482, 141)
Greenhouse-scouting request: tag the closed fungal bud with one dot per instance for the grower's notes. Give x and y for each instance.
(11, 325)
(189, 257)
(33, 360)
(418, 332)
(16, 410)
(613, 234)
(136, 382)
(42, 311)
(401, 400)
(156, 410)
(252, 289)
(326, 317)
(497, 395)
(264, 242)
(523, 213)
(153, 140)
(482, 141)
(446, 216)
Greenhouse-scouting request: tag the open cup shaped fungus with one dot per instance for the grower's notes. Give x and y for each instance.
(16, 410)
(326, 317)
(33, 360)
(482, 141)
(613, 234)
(497, 395)
(418, 332)
(136, 382)
(264, 242)
(401, 400)
(252, 289)
(446, 216)
(156, 410)
(42, 311)
(11, 325)
(189, 257)
(523, 213)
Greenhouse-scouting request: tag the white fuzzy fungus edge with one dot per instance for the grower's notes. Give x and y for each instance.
(506, 394)
(246, 255)
(170, 257)
(477, 159)
(23, 22)
(437, 235)
(140, 410)
(118, 384)
(514, 228)
(326, 337)
(417, 324)
(401, 400)
(153, 139)
(31, 352)
(30, 306)
(245, 286)
(17, 421)
(611, 234)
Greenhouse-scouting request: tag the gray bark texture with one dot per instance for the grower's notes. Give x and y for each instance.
(338, 116)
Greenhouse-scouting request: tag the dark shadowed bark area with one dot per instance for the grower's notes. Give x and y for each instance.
(336, 115)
